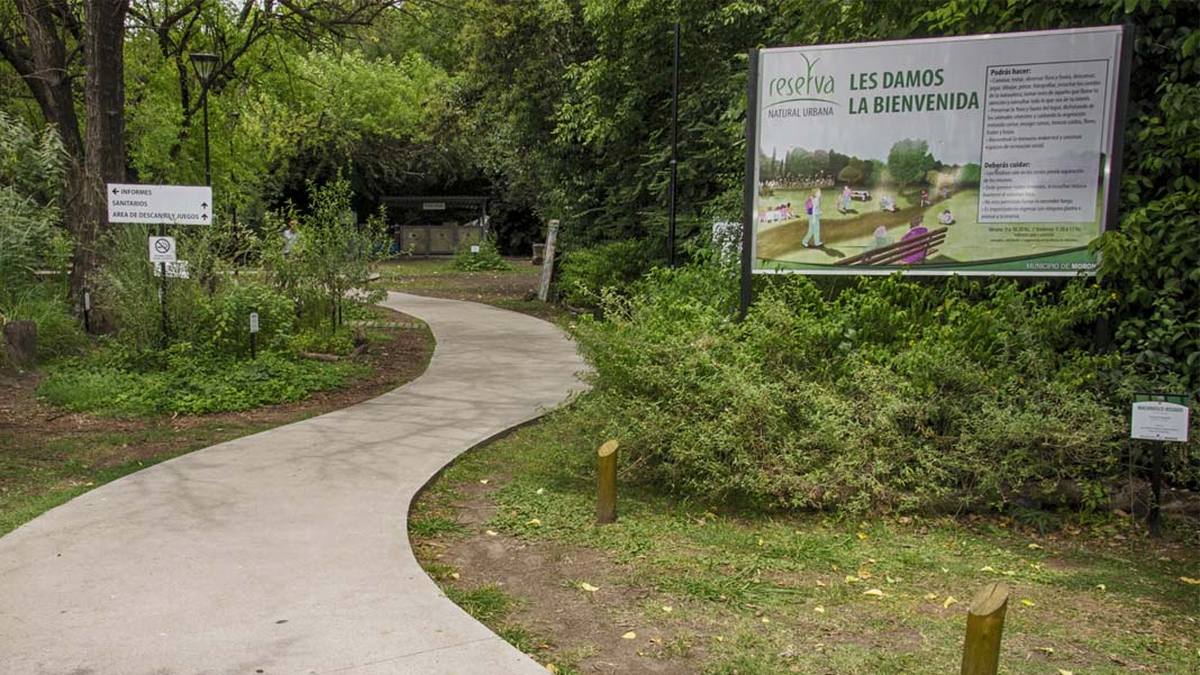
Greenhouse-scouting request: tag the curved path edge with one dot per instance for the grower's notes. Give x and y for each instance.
(285, 552)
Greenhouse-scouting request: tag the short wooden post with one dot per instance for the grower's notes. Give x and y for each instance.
(985, 623)
(606, 483)
(21, 337)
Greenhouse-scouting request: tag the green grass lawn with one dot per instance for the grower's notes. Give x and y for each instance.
(807, 593)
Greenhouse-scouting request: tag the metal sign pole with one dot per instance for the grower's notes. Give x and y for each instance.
(674, 158)
(748, 216)
(1154, 520)
(162, 288)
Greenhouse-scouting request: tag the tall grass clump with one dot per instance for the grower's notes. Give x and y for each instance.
(889, 393)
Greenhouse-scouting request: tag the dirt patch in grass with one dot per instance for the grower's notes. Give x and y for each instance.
(578, 630)
(48, 455)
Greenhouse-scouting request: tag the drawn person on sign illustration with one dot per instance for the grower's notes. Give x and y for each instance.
(813, 207)
(915, 229)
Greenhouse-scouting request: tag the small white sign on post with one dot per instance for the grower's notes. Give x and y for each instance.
(474, 249)
(175, 270)
(253, 322)
(1159, 421)
(162, 249)
(159, 204)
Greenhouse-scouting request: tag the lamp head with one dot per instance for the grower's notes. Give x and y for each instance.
(204, 64)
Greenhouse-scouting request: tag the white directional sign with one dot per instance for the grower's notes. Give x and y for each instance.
(162, 249)
(154, 204)
(253, 322)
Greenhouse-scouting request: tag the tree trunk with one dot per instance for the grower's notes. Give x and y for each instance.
(21, 338)
(104, 152)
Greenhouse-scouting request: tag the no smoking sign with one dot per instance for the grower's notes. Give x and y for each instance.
(162, 249)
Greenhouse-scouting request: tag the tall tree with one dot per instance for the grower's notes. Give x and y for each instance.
(49, 55)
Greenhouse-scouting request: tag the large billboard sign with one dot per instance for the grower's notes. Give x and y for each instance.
(988, 154)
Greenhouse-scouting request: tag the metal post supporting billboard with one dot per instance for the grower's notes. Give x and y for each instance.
(747, 295)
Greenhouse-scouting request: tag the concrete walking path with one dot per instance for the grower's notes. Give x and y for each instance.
(285, 553)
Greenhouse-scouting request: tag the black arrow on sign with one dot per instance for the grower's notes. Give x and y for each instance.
(204, 204)
(114, 191)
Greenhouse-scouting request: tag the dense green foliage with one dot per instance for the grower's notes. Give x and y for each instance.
(892, 394)
(180, 380)
(587, 272)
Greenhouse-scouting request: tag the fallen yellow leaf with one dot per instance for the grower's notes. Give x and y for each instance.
(761, 542)
(1027, 602)
(820, 583)
(656, 640)
(875, 592)
(819, 609)
(588, 587)
(1034, 547)
(484, 481)
(533, 521)
(1189, 581)
(1064, 672)
(851, 579)
(766, 620)
(862, 535)
(1048, 650)
(668, 609)
(987, 568)
(454, 575)
(1102, 587)
(551, 667)
(491, 533)
(629, 636)
(931, 596)
(949, 601)
(541, 491)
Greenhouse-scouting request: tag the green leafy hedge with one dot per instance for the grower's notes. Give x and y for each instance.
(893, 394)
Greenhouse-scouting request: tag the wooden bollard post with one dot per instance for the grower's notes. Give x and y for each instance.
(606, 483)
(985, 623)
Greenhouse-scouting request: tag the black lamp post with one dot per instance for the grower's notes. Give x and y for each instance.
(204, 65)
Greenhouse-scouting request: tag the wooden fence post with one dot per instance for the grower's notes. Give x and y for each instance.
(606, 483)
(548, 261)
(985, 623)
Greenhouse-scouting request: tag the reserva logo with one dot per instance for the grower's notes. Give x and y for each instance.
(808, 85)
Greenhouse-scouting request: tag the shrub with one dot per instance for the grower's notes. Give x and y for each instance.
(225, 319)
(31, 170)
(587, 272)
(893, 394)
(488, 257)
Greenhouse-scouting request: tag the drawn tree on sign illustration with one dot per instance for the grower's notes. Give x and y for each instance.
(908, 161)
